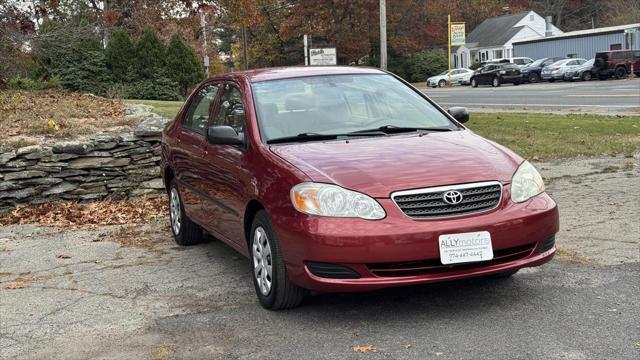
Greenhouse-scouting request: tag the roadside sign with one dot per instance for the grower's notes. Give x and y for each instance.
(322, 56)
(457, 34)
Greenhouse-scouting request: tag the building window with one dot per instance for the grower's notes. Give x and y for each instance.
(497, 54)
(615, 47)
(482, 56)
(531, 17)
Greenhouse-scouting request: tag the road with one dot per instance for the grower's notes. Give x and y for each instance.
(79, 293)
(598, 97)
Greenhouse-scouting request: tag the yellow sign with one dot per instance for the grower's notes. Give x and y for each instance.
(457, 34)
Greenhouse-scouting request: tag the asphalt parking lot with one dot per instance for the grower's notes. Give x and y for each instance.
(596, 96)
(81, 293)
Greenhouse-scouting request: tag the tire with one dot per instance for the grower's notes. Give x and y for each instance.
(474, 83)
(552, 80)
(274, 290)
(621, 73)
(516, 83)
(185, 232)
(534, 78)
(586, 76)
(442, 83)
(495, 82)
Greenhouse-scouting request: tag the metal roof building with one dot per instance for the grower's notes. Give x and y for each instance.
(582, 43)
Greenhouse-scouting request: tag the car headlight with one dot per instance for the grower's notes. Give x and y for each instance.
(526, 183)
(335, 201)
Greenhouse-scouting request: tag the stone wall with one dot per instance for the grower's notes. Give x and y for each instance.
(98, 167)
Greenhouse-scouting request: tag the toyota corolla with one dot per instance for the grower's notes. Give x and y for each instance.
(348, 179)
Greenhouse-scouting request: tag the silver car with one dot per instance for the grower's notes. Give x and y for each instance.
(457, 76)
(557, 70)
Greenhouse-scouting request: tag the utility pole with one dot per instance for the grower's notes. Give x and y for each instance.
(245, 51)
(449, 48)
(306, 50)
(383, 35)
(203, 29)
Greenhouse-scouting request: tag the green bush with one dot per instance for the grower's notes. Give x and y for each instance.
(22, 83)
(150, 55)
(119, 55)
(159, 88)
(424, 64)
(182, 64)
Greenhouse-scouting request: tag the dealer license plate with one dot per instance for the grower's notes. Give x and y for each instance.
(465, 247)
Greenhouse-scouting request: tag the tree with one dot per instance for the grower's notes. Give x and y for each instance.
(183, 65)
(149, 55)
(119, 55)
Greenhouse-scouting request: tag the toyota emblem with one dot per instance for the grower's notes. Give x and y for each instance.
(452, 197)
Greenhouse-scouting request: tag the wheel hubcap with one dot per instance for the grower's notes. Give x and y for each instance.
(262, 265)
(175, 212)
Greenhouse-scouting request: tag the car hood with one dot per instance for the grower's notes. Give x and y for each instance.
(378, 166)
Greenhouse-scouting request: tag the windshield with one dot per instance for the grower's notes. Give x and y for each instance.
(443, 73)
(341, 104)
(589, 63)
(537, 62)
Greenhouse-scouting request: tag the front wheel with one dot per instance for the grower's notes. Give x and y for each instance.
(442, 83)
(273, 287)
(185, 231)
(474, 83)
(534, 78)
(516, 83)
(495, 82)
(586, 76)
(552, 80)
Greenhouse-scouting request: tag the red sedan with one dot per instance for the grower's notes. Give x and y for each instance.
(348, 179)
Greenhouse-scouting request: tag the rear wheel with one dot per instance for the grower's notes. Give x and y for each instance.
(474, 83)
(534, 78)
(185, 231)
(273, 287)
(495, 82)
(442, 83)
(621, 73)
(586, 76)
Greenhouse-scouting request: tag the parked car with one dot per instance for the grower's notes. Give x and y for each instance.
(521, 61)
(583, 72)
(531, 72)
(442, 79)
(557, 70)
(348, 179)
(617, 63)
(496, 75)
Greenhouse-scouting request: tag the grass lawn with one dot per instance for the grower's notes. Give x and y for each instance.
(550, 136)
(544, 136)
(165, 108)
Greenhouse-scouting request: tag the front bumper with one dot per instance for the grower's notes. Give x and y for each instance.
(362, 245)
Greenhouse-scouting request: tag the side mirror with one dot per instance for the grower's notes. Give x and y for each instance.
(459, 113)
(224, 135)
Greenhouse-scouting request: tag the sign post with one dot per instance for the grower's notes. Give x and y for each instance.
(456, 35)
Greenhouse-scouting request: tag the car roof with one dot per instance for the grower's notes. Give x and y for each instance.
(265, 74)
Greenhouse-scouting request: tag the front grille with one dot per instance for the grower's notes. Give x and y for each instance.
(434, 266)
(430, 203)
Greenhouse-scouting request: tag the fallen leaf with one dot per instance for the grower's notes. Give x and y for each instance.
(407, 346)
(364, 348)
(63, 256)
(439, 354)
(15, 285)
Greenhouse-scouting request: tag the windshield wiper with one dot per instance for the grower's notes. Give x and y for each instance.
(392, 129)
(310, 136)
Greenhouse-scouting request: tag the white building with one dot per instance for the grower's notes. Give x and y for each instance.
(494, 37)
